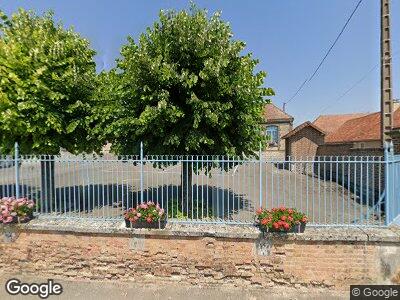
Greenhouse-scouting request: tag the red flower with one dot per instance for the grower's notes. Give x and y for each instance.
(259, 211)
(149, 220)
(290, 219)
(282, 208)
(283, 218)
(276, 225)
(304, 220)
(264, 221)
(290, 211)
(286, 226)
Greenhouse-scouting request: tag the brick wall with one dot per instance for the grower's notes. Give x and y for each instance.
(200, 260)
(347, 150)
(304, 143)
(396, 143)
(366, 181)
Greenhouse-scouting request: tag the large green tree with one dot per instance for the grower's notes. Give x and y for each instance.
(47, 76)
(184, 88)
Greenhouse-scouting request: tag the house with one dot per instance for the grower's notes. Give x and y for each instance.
(277, 123)
(307, 138)
(341, 135)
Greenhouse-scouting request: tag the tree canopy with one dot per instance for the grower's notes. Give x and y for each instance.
(47, 76)
(185, 87)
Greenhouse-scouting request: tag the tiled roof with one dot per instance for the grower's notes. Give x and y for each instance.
(272, 113)
(367, 128)
(330, 123)
(300, 127)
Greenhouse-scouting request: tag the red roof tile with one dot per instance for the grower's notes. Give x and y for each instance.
(272, 113)
(300, 127)
(330, 123)
(367, 128)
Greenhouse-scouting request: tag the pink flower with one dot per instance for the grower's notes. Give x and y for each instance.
(138, 215)
(8, 219)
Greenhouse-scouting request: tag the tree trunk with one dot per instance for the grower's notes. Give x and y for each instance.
(186, 182)
(47, 191)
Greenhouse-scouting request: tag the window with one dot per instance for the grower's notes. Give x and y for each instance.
(272, 133)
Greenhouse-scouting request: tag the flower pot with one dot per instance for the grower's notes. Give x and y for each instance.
(28, 217)
(141, 224)
(298, 228)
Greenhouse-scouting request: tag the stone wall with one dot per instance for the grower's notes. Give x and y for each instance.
(333, 258)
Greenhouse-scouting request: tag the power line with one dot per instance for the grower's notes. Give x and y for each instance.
(355, 84)
(307, 80)
(350, 89)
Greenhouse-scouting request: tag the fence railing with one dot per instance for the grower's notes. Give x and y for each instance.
(330, 190)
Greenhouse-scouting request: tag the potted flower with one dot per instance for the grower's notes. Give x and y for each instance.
(280, 219)
(145, 215)
(16, 210)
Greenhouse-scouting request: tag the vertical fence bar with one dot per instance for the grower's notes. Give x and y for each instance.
(141, 172)
(16, 164)
(387, 185)
(260, 175)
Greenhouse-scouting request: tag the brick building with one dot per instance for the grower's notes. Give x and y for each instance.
(307, 138)
(344, 137)
(341, 135)
(277, 124)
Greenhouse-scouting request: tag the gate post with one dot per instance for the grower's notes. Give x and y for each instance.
(388, 156)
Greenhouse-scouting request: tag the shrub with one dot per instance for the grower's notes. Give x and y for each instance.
(279, 219)
(146, 212)
(16, 210)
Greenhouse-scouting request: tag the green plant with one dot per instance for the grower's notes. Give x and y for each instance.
(47, 77)
(279, 219)
(146, 212)
(13, 210)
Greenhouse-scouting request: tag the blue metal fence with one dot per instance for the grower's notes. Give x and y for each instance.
(392, 186)
(208, 189)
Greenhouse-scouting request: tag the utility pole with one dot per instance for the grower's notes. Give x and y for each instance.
(386, 74)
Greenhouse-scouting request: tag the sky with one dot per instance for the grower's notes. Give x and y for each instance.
(289, 37)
